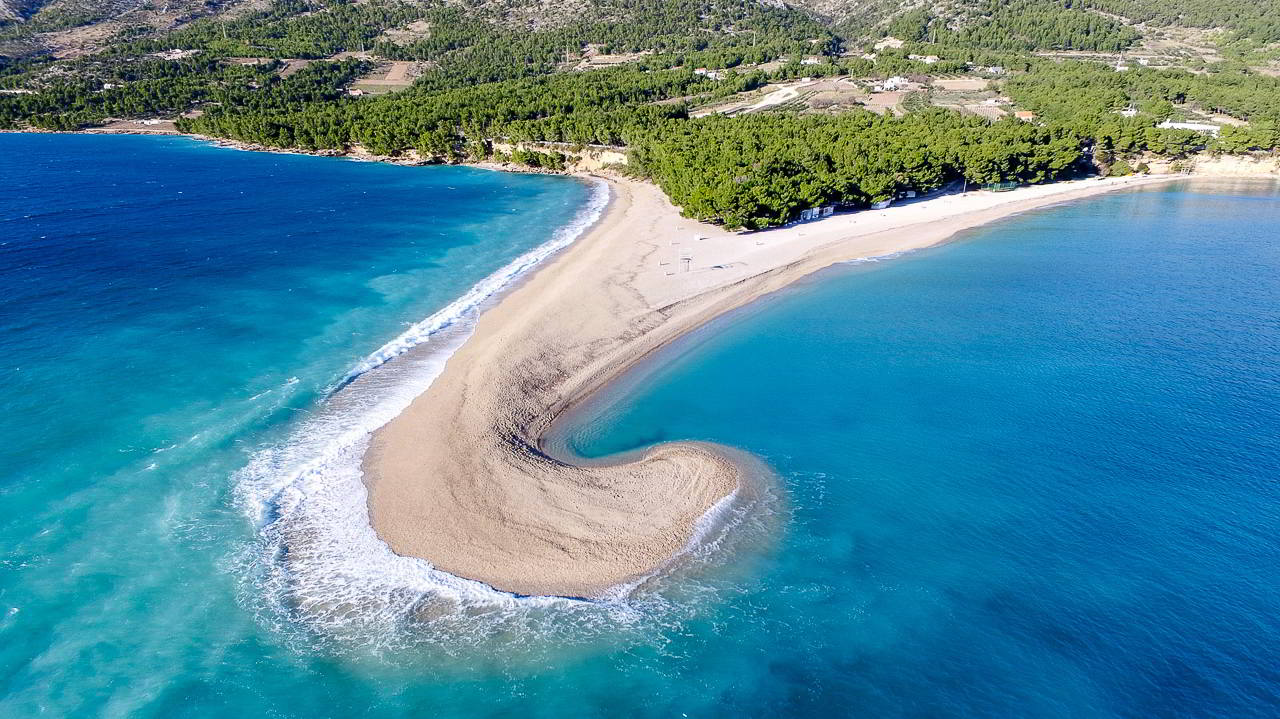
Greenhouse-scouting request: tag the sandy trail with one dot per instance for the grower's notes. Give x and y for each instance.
(460, 479)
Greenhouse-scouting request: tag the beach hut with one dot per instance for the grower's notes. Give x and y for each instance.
(1005, 186)
(881, 204)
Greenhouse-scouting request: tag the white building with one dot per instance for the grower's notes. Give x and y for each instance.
(896, 82)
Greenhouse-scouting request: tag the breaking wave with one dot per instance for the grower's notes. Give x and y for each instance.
(317, 563)
(464, 309)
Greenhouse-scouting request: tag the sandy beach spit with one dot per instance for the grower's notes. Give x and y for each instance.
(460, 477)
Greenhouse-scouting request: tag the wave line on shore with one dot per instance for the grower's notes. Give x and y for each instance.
(485, 289)
(317, 558)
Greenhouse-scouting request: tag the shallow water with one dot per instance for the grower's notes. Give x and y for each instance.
(1031, 473)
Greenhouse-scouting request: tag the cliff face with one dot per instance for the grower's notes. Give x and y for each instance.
(1236, 166)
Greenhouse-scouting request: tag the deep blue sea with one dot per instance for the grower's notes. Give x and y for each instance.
(1031, 473)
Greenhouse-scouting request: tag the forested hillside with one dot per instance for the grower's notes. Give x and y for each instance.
(303, 28)
(630, 74)
(1255, 19)
(1015, 25)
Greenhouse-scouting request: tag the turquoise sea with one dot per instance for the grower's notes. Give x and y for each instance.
(1031, 473)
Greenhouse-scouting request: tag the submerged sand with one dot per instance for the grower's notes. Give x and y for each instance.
(460, 477)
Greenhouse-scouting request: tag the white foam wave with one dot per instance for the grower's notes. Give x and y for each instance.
(318, 558)
(463, 307)
(318, 566)
(875, 258)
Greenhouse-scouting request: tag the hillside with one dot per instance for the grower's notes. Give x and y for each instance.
(68, 28)
(745, 113)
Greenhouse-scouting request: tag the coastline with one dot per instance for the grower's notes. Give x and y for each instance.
(356, 153)
(493, 505)
(1204, 165)
(462, 477)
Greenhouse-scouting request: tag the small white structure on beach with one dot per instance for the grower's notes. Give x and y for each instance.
(814, 213)
(881, 205)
